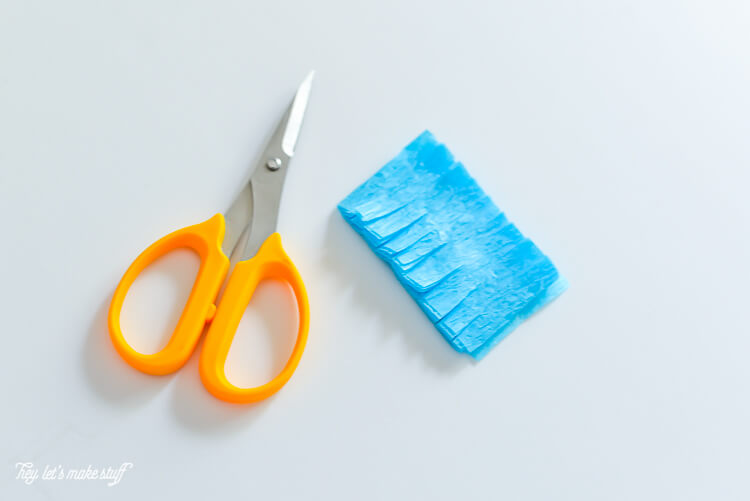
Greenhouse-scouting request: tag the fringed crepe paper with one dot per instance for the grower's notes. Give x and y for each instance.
(469, 269)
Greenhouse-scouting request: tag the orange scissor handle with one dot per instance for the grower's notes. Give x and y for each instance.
(205, 239)
(270, 262)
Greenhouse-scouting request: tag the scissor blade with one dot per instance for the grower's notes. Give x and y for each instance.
(296, 114)
(252, 216)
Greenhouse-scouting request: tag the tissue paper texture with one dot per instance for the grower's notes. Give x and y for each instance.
(469, 269)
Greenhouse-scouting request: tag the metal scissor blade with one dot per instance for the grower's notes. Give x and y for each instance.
(257, 205)
(296, 114)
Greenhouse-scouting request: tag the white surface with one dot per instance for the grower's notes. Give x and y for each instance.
(615, 134)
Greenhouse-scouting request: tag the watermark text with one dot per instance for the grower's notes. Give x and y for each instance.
(29, 473)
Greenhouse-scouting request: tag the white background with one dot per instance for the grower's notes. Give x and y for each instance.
(614, 133)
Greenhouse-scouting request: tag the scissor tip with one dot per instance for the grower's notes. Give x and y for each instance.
(304, 88)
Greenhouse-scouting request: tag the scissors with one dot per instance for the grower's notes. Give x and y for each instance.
(247, 233)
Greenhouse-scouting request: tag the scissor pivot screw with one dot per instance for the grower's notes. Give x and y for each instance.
(273, 163)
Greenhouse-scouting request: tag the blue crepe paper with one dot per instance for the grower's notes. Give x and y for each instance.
(469, 269)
